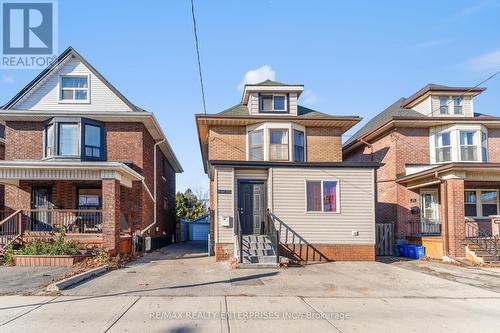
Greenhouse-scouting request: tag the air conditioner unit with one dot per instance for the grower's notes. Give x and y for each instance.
(147, 244)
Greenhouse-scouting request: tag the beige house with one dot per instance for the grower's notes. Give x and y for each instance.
(278, 184)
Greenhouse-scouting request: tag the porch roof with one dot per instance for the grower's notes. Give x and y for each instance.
(466, 171)
(11, 172)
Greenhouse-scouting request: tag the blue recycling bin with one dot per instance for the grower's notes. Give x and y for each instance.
(416, 251)
(401, 249)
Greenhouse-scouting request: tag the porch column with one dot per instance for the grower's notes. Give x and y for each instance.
(454, 232)
(111, 215)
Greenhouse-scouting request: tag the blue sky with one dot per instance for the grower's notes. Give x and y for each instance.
(354, 57)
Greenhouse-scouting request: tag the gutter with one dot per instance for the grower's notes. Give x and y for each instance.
(152, 197)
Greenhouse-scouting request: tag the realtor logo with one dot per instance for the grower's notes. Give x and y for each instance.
(29, 33)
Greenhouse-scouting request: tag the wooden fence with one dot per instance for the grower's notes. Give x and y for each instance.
(385, 239)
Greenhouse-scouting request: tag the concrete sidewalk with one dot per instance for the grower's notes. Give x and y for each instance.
(247, 314)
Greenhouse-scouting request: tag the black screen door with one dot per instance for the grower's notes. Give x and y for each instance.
(251, 203)
(41, 203)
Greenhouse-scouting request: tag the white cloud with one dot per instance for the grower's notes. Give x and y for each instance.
(309, 97)
(257, 75)
(432, 43)
(7, 79)
(487, 61)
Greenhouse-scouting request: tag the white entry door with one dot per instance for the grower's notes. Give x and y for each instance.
(430, 206)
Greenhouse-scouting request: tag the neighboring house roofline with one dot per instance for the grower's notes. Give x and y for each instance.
(436, 88)
(447, 167)
(70, 51)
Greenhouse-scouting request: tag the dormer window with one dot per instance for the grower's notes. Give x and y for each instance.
(443, 105)
(273, 103)
(457, 105)
(74, 88)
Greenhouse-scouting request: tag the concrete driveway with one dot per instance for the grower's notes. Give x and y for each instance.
(179, 289)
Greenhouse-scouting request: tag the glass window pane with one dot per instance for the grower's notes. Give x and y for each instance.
(470, 210)
(266, 103)
(81, 94)
(256, 138)
(74, 82)
(92, 135)
(68, 139)
(489, 197)
(313, 189)
(470, 197)
(49, 143)
(256, 154)
(279, 102)
(279, 137)
(67, 94)
(330, 196)
(298, 138)
(466, 138)
(96, 152)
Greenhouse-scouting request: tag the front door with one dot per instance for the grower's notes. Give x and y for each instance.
(41, 203)
(251, 203)
(430, 211)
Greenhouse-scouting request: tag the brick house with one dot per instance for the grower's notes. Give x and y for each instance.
(440, 170)
(80, 156)
(278, 184)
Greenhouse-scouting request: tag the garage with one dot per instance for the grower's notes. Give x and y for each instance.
(199, 228)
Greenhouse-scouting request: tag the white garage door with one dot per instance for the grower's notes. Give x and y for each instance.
(199, 231)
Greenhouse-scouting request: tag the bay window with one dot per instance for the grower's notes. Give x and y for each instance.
(443, 147)
(322, 196)
(74, 138)
(468, 150)
(298, 146)
(256, 143)
(481, 203)
(278, 145)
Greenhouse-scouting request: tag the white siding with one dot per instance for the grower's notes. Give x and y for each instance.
(424, 107)
(357, 211)
(225, 203)
(430, 106)
(45, 97)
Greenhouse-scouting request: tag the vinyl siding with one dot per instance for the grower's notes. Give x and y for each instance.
(225, 203)
(45, 97)
(356, 205)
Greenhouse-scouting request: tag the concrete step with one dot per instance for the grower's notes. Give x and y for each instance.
(257, 246)
(259, 253)
(259, 259)
(256, 239)
(258, 266)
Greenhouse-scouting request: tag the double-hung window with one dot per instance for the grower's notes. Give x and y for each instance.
(443, 105)
(481, 203)
(273, 103)
(468, 150)
(457, 105)
(68, 139)
(93, 141)
(256, 144)
(443, 147)
(322, 196)
(278, 145)
(74, 88)
(298, 146)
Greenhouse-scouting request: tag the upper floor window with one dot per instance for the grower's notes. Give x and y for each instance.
(443, 105)
(298, 146)
(443, 147)
(74, 138)
(457, 105)
(278, 145)
(273, 103)
(74, 88)
(484, 146)
(468, 149)
(256, 143)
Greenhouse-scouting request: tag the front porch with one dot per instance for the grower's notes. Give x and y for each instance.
(90, 206)
(453, 208)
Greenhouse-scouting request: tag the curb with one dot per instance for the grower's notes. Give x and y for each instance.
(63, 284)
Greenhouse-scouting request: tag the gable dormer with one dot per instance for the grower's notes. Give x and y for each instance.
(442, 101)
(272, 98)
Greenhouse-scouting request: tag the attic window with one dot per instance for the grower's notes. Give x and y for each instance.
(74, 88)
(273, 103)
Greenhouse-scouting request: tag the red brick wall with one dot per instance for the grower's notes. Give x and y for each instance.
(223, 251)
(328, 252)
(494, 145)
(111, 214)
(324, 144)
(454, 230)
(23, 140)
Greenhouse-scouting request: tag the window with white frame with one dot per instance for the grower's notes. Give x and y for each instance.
(468, 149)
(322, 196)
(74, 88)
(278, 145)
(457, 105)
(256, 145)
(443, 105)
(443, 147)
(480, 203)
(273, 103)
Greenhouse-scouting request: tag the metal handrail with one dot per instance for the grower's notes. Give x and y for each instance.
(239, 234)
(422, 228)
(273, 234)
(486, 241)
(10, 228)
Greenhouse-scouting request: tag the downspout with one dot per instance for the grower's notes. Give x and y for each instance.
(445, 212)
(154, 188)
